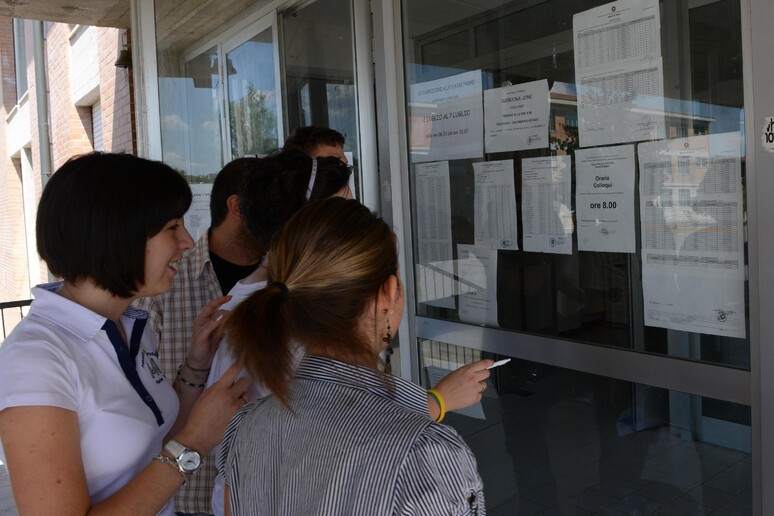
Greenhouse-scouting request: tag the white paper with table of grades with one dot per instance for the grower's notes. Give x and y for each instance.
(494, 219)
(692, 234)
(477, 271)
(619, 73)
(546, 206)
(435, 266)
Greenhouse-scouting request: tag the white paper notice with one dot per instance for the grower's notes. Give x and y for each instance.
(477, 270)
(516, 117)
(692, 234)
(446, 118)
(604, 195)
(435, 270)
(547, 205)
(619, 72)
(197, 218)
(495, 205)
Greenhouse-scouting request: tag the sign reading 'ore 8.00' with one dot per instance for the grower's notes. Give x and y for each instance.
(605, 199)
(446, 118)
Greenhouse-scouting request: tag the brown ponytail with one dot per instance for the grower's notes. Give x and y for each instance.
(325, 266)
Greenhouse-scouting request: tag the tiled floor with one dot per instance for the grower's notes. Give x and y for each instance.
(553, 449)
(551, 454)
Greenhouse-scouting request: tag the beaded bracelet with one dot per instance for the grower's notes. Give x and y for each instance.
(441, 404)
(186, 382)
(179, 378)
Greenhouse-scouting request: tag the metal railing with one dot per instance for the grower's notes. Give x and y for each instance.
(11, 312)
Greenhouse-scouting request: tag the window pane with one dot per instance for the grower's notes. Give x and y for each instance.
(191, 115)
(517, 222)
(252, 96)
(320, 68)
(20, 58)
(549, 440)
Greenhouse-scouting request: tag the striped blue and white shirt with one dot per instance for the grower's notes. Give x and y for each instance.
(354, 442)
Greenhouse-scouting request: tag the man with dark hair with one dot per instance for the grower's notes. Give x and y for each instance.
(317, 142)
(222, 256)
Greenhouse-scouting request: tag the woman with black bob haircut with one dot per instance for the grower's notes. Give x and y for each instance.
(337, 435)
(88, 422)
(109, 204)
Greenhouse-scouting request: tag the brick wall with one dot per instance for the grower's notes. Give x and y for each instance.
(115, 93)
(13, 256)
(7, 62)
(70, 129)
(9, 190)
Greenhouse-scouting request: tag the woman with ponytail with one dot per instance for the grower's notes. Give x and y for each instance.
(272, 191)
(337, 435)
(276, 188)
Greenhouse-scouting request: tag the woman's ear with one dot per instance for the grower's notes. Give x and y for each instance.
(389, 293)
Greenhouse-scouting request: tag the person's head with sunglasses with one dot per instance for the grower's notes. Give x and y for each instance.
(280, 184)
(317, 142)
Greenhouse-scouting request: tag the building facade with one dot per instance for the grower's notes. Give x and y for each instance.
(62, 96)
(580, 186)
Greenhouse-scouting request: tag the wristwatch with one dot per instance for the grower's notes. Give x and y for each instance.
(188, 460)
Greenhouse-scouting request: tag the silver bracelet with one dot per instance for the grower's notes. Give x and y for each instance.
(179, 378)
(166, 460)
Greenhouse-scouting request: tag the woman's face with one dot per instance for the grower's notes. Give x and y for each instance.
(161, 252)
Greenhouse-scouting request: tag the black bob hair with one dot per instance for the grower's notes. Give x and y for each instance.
(276, 188)
(97, 213)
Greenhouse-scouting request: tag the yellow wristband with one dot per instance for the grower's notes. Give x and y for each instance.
(441, 404)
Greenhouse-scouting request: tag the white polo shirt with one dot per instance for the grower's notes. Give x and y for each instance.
(61, 356)
(220, 363)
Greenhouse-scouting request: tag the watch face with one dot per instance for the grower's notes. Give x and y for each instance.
(189, 461)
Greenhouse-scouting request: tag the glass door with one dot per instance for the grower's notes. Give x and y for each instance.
(319, 71)
(576, 182)
(252, 81)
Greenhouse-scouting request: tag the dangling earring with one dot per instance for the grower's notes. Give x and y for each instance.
(388, 338)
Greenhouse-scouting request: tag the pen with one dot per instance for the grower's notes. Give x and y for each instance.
(499, 363)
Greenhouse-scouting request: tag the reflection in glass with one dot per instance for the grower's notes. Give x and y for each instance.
(554, 441)
(695, 53)
(319, 64)
(252, 96)
(191, 118)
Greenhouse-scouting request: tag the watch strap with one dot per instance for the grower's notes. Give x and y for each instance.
(174, 448)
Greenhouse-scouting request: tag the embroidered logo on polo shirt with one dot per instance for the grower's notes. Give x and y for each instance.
(152, 366)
